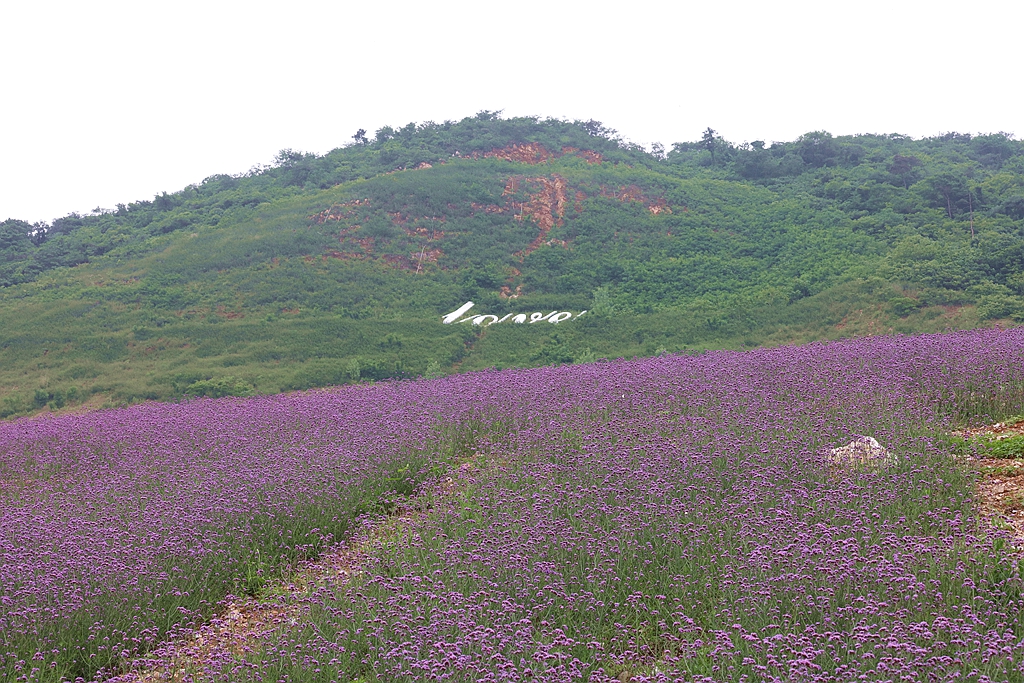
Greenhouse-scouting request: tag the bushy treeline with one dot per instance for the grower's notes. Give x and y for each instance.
(327, 269)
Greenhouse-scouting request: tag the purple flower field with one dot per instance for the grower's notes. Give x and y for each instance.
(672, 518)
(119, 525)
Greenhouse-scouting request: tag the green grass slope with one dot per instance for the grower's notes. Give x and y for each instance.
(335, 269)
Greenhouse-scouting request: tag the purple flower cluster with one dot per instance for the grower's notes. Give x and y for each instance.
(671, 518)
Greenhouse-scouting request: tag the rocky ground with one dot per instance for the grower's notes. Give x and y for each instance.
(1001, 487)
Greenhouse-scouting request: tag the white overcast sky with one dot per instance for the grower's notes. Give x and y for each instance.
(104, 102)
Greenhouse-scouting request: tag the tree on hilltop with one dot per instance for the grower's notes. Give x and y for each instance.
(708, 141)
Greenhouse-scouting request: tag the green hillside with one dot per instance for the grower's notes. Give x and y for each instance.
(333, 269)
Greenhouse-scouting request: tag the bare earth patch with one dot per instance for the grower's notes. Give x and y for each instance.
(1001, 487)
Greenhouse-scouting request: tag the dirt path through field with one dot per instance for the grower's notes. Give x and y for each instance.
(1001, 490)
(245, 621)
(1001, 487)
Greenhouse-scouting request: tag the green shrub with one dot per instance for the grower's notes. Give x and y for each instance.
(903, 306)
(220, 387)
(1012, 447)
(1000, 306)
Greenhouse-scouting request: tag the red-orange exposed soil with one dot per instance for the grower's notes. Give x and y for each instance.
(536, 153)
(546, 206)
(659, 207)
(526, 153)
(632, 193)
(413, 227)
(507, 293)
(430, 255)
(488, 208)
(589, 155)
(338, 212)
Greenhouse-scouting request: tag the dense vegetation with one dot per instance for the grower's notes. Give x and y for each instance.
(333, 269)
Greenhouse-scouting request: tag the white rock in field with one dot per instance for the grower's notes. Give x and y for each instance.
(863, 453)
